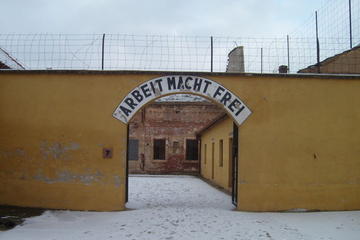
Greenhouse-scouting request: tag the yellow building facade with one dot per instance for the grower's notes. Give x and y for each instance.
(216, 152)
(62, 145)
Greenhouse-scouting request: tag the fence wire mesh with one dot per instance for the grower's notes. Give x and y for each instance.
(159, 52)
(338, 31)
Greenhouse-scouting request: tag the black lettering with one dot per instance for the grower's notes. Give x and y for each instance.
(152, 87)
(207, 83)
(136, 94)
(234, 104)
(180, 83)
(218, 91)
(125, 110)
(130, 102)
(158, 81)
(226, 98)
(171, 83)
(146, 91)
(197, 84)
(187, 82)
(240, 110)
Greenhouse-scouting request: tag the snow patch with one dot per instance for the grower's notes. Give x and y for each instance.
(177, 207)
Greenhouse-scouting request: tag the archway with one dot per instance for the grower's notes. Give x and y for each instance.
(156, 88)
(175, 84)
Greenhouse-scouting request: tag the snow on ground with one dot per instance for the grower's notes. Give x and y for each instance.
(181, 207)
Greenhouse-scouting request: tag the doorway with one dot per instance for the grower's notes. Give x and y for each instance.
(235, 152)
(162, 136)
(230, 163)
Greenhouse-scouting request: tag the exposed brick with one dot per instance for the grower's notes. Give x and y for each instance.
(175, 122)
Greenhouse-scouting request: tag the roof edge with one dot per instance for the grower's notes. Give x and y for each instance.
(211, 124)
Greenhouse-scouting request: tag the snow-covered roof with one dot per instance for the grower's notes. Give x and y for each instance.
(182, 98)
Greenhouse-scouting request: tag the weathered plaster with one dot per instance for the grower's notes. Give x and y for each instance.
(67, 176)
(57, 150)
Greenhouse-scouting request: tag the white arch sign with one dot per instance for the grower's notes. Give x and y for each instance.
(175, 84)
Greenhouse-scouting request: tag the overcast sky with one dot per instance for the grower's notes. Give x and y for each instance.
(169, 17)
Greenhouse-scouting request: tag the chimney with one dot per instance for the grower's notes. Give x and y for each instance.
(236, 60)
(283, 69)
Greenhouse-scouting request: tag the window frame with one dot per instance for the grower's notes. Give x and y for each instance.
(153, 149)
(221, 153)
(137, 158)
(205, 153)
(186, 149)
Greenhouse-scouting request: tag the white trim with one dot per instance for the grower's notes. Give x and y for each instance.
(175, 84)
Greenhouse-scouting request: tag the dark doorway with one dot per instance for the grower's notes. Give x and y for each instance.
(235, 152)
(192, 149)
(230, 163)
(213, 160)
(159, 149)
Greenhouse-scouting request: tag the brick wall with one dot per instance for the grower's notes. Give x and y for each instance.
(175, 122)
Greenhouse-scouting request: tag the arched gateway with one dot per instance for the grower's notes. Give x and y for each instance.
(61, 147)
(174, 84)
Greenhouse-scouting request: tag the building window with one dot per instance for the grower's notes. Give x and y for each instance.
(176, 147)
(221, 153)
(205, 152)
(159, 149)
(192, 149)
(133, 149)
(212, 160)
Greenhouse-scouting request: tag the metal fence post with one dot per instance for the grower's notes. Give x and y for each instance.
(317, 44)
(102, 52)
(212, 54)
(261, 60)
(350, 22)
(288, 52)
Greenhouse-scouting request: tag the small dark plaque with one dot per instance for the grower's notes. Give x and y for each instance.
(107, 152)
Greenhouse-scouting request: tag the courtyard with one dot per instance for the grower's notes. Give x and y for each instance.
(184, 207)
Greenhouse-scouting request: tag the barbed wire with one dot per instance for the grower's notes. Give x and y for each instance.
(160, 52)
(297, 50)
(335, 19)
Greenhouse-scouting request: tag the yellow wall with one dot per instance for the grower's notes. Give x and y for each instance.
(299, 148)
(211, 137)
(53, 131)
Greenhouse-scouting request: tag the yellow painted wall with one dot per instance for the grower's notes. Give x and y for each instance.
(53, 131)
(299, 148)
(211, 137)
